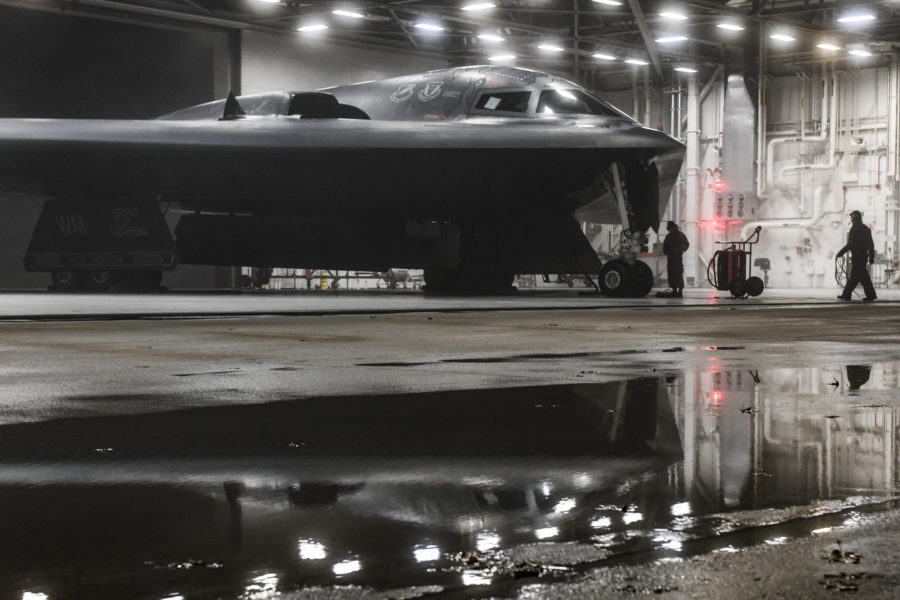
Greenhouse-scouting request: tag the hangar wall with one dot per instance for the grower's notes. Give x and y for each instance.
(272, 62)
(809, 187)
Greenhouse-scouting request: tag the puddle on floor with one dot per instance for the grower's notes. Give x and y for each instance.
(424, 493)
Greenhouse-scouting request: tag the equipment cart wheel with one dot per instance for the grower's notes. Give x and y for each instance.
(98, 281)
(616, 278)
(643, 279)
(754, 286)
(738, 288)
(66, 280)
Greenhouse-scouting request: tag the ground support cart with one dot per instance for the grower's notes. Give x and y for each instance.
(729, 268)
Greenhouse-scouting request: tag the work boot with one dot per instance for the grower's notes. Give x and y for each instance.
(869, 298)
(844, 298)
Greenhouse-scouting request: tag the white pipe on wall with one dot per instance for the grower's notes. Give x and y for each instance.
(761, 115)
(817, 214)
(692, 175)
(826, 127)
(831, 129)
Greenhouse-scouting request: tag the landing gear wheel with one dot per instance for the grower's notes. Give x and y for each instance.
(738, 288)
(98, 281)
(643, 279)
(66, 281)
(754, 286)
(616, 278)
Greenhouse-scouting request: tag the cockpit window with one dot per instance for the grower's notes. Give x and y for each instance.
(504, 101)
(573, 101)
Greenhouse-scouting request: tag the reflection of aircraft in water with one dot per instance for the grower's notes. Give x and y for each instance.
(368, 478)
(472, 174)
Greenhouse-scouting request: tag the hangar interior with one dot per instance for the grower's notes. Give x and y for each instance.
(789, 110)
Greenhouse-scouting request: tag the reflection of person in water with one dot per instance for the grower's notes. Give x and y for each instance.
(858, 375)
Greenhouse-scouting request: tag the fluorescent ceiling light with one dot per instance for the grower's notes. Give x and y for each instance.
(782, 37)
(313, 27)
(490, 37)
(860, 53)
(636, 61)
(551, 47)
(479, 6)
(671, 39)
(730, 26)
(502, 57)
(429, 27)
(348, 13)
(673, 15)
(270, 1)
(825, 46)
(604, 56)
(857, 18)
(609, 2)
(685, 69)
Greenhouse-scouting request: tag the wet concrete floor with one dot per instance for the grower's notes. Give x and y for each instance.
(681, 452)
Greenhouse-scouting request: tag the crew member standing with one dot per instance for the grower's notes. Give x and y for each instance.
(862, 251)
(675, 244)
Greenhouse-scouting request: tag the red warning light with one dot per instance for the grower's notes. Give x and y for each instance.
(719, 185)
(716, 396)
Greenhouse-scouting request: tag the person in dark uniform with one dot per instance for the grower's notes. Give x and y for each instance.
(862, 251)
(675, 244)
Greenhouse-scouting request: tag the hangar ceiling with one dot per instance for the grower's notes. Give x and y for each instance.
(589, 40)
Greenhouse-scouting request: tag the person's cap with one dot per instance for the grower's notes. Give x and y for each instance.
(856, 215)
(671, 225)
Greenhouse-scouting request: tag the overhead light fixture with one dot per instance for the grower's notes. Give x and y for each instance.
(479, 6)
(783, 37)
(312, 27)
(730, 26)
(491, 37)
(502, 58)
(685, 69)
(348, 13)
(602, 56)
(860, 52)
(827, 46)
(636, 61)
(675, 16)
(270, 1)
(429, 27)
(856, 17)
(609, 2)
(671, 39)
(551, 47)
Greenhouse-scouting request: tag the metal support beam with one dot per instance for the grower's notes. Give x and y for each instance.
(645, 33)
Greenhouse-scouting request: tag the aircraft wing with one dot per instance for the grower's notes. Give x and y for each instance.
(256, 166)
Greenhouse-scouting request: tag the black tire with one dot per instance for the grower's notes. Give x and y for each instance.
(754, 286)
(98, 281)
(738, 288)
(67, 281)
(643, 279)
(616, 279)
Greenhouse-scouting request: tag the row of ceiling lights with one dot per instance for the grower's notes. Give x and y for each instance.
(852, 18)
